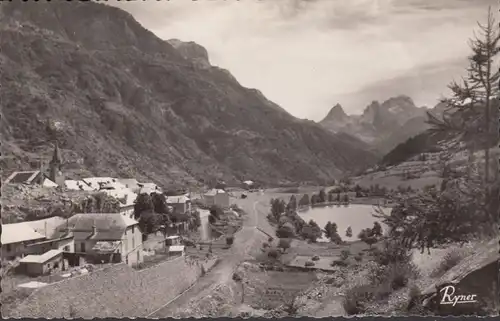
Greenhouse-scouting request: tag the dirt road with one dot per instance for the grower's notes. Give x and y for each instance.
(256, 207)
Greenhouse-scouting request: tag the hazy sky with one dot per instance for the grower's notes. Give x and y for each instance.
(308, 55)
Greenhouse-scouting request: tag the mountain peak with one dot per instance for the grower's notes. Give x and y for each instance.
(336, 113)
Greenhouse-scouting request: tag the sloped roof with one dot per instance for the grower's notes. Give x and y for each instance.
(40, 258)
(77, 185)
(109, 226)
(19, 232)
(214, 192)
(177, 199)
(47, 226)
(125, 195)
(24, 177)
(48, 183)
(129, 182)
(176, 248)
(106, 246)
(148, 190)
(94, 182)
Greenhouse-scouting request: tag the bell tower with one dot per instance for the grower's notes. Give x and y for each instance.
(55, 166)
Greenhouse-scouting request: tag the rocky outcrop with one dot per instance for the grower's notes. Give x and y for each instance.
(382, 125)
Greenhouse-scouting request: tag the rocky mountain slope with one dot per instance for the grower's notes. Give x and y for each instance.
(123, 102)
(382, 125)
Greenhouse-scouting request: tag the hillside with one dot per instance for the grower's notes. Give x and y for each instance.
(122, 102)
(381, 125)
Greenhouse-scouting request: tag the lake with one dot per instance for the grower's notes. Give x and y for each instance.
(356, 216)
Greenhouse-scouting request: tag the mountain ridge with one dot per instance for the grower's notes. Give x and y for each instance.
(123, 102)
(381, 125)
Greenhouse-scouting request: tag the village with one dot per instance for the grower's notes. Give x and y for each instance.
(41, 252)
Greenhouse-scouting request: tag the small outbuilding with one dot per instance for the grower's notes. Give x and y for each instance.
(177, 250)
(36, 265)
(173, 240)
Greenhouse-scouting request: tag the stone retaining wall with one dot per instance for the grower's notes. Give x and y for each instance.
(116, 291)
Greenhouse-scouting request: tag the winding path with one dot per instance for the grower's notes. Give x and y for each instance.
(244, 242)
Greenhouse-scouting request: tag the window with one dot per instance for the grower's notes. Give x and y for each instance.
(9, 248)
(133, 242)
(82, 247)
(66, 248)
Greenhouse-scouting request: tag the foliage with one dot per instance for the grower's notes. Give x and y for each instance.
(330, 229)
(339, 263)
(465, 209)
(285, 232)
(304, 200)
(284, 244)
(142, 203)
(377, 229)
(322, 196)
(195, 220)
(358, 258)
(366, 235)
(309, 263)
(315, 199)
(348, 232)
(278, 207)
(149, 222)
(391, 253)
(344, 255)
(355, 299)
(292, 204)
(315, 258)
(216, 211)
(229, 240)
(273, 254)
(311, 231)
(450, 260)
(346, 198)
(159, 203)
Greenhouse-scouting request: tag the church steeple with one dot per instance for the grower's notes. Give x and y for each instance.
(56, 156)
(55, 165)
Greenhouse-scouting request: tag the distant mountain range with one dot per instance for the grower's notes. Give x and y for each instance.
(382, 125)
(122, 102)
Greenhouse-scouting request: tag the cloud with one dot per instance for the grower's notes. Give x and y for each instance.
(308, 55)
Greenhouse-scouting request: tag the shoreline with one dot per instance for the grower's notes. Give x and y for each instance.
(356, 201)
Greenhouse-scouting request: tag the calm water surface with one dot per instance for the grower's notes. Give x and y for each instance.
(356, 216)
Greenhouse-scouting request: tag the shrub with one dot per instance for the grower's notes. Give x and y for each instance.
(355, 299)
(345, 254)
(237, 277)
(309, 263)
(390, 253)
(339, 263)
(450, 260)
(285, 232)
(284, 244)
(315, 258)
(265, 245)
(270, 239)
(229, 240)
(358, 258)
(273, 254)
